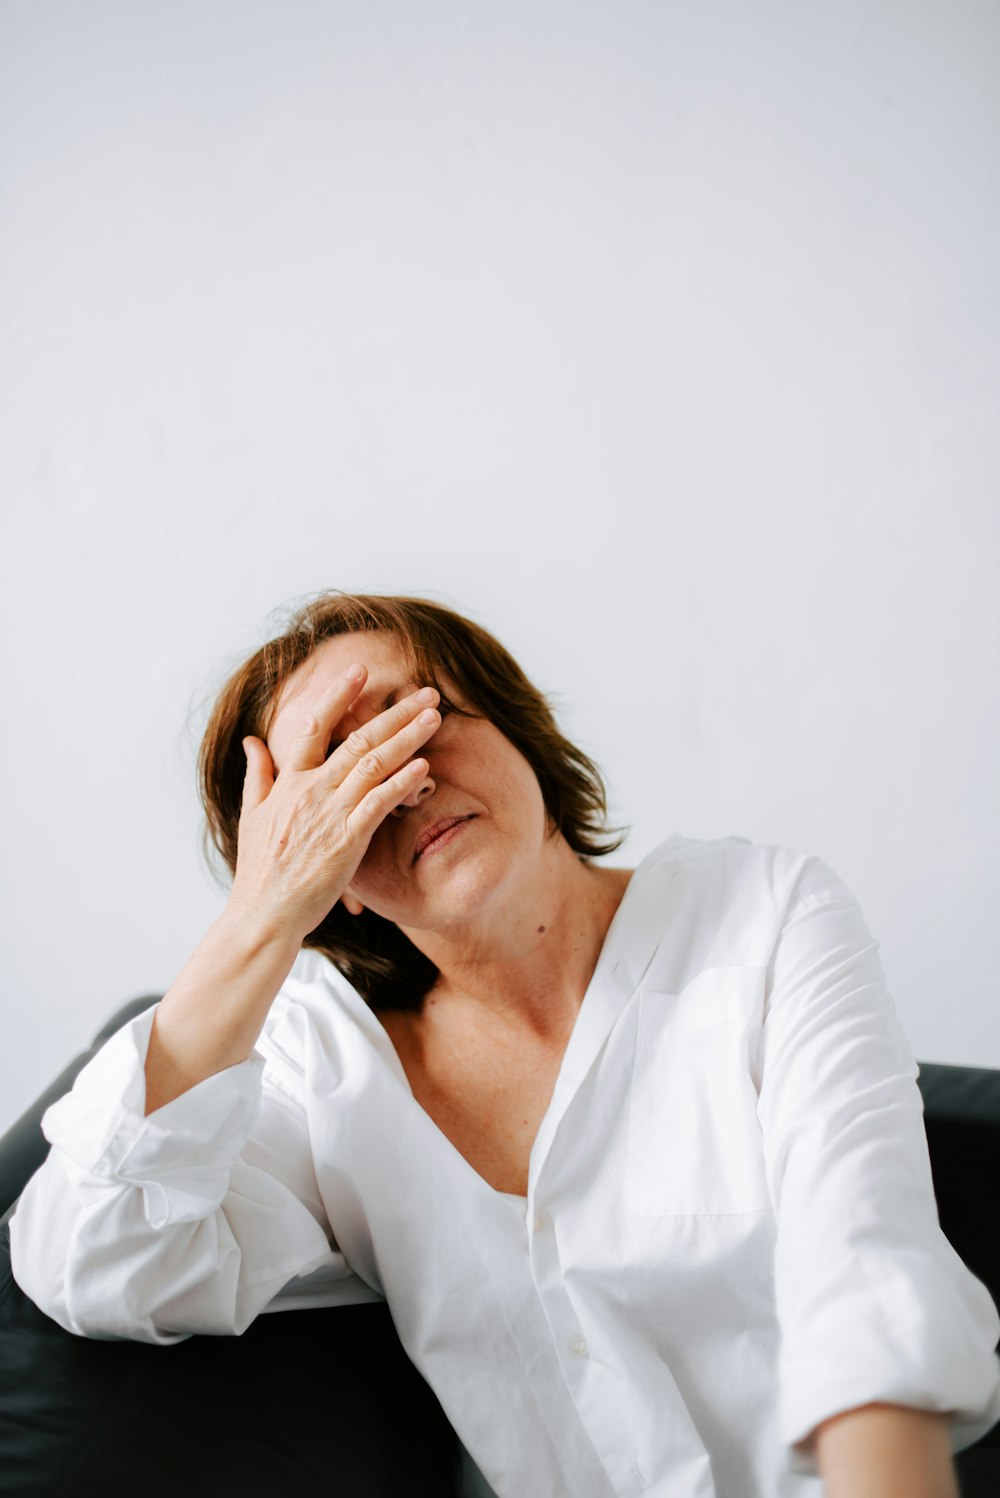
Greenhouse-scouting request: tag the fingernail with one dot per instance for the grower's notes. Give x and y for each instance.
(354, 673)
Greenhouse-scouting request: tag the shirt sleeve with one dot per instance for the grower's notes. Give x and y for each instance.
(190, 1220)
(874, 1304)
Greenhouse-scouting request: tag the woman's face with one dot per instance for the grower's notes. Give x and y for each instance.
(474, 772)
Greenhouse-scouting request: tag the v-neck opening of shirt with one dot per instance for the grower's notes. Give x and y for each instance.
(608, 960)
(586, 1025)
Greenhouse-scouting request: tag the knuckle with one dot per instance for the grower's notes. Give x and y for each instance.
(370, 764)
(357, 742)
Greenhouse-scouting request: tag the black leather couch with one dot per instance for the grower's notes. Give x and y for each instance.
(326, 1402)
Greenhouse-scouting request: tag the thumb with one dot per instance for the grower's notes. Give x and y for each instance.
(259, 777)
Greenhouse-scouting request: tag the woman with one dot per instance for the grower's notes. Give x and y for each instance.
(635, 1156)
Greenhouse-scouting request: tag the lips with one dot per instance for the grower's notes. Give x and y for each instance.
(434, 831)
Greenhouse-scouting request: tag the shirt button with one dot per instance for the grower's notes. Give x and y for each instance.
(581, 1347)
(540, 1222)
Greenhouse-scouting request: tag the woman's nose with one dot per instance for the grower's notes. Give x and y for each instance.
(423, 787)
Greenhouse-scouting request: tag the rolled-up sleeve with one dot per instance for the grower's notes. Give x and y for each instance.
(188, 1220)
(874, 1304)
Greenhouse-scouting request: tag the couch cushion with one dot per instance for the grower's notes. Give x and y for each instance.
(323, 1402)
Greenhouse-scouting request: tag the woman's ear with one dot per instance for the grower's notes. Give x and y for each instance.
(351, 903)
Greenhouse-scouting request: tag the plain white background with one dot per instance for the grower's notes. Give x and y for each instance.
(660, 338)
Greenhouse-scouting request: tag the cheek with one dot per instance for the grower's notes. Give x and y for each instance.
(518, 793)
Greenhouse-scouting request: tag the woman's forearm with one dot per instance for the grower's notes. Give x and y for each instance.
(211, 1016)
(886, 1451)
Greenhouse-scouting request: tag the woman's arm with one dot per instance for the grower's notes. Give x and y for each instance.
(189, 1220)
(302, 835)
(179, 1194)
(876, 1308)
(886, 1451)
(213, 1013)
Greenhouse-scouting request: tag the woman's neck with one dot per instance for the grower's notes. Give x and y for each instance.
(534, 965)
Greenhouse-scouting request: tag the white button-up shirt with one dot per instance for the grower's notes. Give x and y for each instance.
(730, 1232)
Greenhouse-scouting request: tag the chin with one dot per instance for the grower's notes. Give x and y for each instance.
(460, 893)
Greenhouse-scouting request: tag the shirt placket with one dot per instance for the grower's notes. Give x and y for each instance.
(595, 1390)
(601, 1394)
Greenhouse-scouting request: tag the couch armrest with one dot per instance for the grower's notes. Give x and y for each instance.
(23, 1147)
(962, 1122)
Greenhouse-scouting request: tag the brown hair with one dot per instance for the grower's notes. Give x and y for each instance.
(372, 953)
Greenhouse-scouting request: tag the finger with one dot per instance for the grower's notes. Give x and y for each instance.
(378, 764)
(375, 736)
(259, 776)
(373, 809)
(308, 748)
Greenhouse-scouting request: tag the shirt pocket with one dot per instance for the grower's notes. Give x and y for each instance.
(694, 1144)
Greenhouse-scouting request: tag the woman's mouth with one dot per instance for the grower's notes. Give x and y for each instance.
(438, 835)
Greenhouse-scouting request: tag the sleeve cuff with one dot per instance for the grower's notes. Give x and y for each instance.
(913, 1345)
(181, 1156)
(963, 1432)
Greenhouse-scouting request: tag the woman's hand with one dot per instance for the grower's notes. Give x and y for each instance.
(304, 829)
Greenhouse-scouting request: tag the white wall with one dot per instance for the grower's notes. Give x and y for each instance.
(660, 338)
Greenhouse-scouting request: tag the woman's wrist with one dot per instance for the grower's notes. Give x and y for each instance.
(251, 934)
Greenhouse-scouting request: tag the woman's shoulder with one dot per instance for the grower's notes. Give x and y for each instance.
(738, 879)
(696, 904)
(733, 855)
